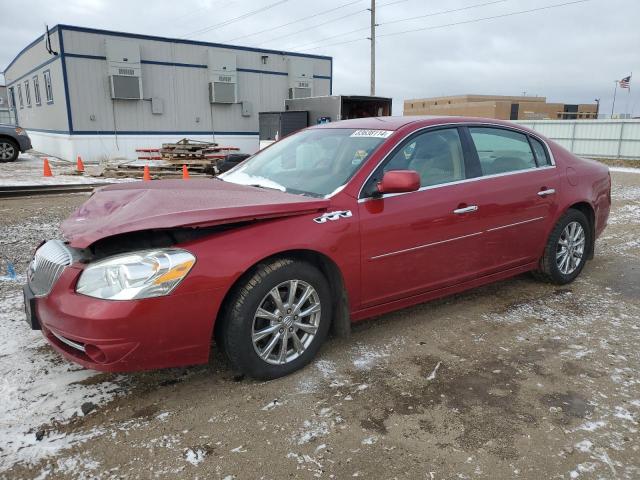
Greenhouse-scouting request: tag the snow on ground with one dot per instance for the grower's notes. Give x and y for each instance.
(28, 170)
(38, 387)
(624, 169)
(39, 390)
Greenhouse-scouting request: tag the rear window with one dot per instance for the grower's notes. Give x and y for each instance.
(542, 156)
(501, 150)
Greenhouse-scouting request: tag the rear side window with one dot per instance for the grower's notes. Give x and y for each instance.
(541, 152)
(436, 156)
(501, 150)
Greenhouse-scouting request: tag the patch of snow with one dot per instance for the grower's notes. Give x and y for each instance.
(369, 440)
(311, 430)
(194, 455)
(432, 375)
(38, 387)
(624, 169)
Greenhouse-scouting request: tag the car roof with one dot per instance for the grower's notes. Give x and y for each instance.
(395, 123)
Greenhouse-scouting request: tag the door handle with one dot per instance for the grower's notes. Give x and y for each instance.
(548, 191)
(469, 209)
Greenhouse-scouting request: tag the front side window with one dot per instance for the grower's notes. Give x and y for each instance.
(36, 90)
(436, 156)
(501, 150)
(314, 162)
(47, 86)
(20, 96)
(27, 92)
(541, 152)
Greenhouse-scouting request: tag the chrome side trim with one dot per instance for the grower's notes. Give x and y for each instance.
(424, 246)
(397, 252)
(66, 341)
(460, 124)
(515, 224)
(466, 180)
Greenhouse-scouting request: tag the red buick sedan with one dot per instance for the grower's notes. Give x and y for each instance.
(328, 226)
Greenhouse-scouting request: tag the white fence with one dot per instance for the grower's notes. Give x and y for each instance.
(593, 138)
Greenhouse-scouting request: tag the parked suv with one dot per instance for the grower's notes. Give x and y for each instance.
(13, 140)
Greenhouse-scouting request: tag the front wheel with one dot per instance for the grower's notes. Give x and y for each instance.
(276, 321)
(567, 248)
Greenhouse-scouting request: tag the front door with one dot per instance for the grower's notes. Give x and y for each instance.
(424, 240)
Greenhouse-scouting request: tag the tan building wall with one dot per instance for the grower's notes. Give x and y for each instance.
(500, 107)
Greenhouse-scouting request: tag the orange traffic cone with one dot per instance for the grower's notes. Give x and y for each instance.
(185, 173)
(79, 165)
(47, 169)
(146, 176)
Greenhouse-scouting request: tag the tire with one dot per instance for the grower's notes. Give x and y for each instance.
(554, 265)
(241, 319)
(9, 150)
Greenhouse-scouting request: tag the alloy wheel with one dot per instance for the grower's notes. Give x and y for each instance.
(286, 322)
(7, 151)
(570, 249)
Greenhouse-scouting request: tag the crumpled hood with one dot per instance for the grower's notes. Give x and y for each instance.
(163, 204)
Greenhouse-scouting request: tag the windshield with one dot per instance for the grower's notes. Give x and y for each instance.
(313, 162)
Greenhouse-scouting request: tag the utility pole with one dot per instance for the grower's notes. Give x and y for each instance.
(615, 89)
(373, 47)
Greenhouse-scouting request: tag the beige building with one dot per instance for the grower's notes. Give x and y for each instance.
(498, 106)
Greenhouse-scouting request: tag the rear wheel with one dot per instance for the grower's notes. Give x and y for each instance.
(9, 150)
(567, 248)
(277, 320)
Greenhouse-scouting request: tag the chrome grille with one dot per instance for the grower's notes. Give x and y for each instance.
(47, 265)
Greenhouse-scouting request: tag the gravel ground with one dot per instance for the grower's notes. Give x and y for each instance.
(514, 380)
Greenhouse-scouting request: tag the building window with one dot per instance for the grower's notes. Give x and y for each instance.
(36, 90)
(48, 90)
(27, 93)
(12, 98)
(20, 96)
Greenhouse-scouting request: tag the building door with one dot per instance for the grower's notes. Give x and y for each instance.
(515, 108)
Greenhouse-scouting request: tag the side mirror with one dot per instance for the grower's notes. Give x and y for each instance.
(399, 181)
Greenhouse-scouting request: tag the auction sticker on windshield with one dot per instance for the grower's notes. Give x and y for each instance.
(372, 133)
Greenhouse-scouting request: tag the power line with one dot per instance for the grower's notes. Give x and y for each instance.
(298, 20)
(235, 19)
(475, 20)
(443, 12)
(334, 20)
(306, 29)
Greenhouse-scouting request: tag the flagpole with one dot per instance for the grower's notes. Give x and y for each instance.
(615, 90)
(629, 96)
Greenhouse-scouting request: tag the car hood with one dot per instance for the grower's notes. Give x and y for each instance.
(164, 204)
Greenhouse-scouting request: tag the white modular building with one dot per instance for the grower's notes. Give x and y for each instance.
(103, 94)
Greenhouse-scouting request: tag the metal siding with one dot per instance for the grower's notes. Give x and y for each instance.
(184, 90)
(47, 116)
(593, 138)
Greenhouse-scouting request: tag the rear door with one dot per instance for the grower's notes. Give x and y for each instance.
(516, 195)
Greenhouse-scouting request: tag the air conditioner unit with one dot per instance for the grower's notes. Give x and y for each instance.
(300, 78)
(125, 69)
(223, 77)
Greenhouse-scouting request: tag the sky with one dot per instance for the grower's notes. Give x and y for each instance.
(571, 53)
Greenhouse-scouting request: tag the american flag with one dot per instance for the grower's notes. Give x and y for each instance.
(624, 83)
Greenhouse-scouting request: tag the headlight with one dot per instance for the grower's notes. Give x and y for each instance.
(144, 274)
(20, 131)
